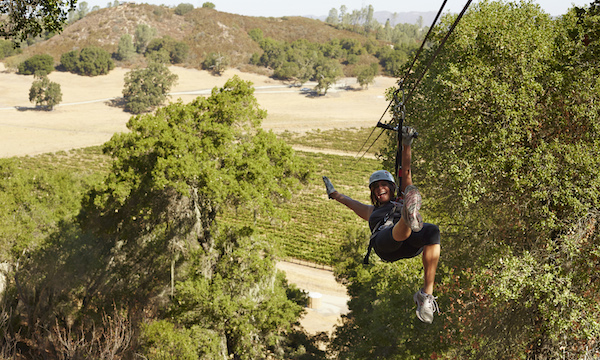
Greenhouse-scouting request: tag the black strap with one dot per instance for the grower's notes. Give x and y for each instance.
(375, 229)
(366, 259)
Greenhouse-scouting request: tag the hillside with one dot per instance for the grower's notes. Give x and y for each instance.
(204, 30)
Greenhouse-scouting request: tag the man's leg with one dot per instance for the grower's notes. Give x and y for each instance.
(431, 256)
(426, 302)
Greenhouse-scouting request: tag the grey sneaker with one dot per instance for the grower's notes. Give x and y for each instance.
(426, 306)
(410, 210)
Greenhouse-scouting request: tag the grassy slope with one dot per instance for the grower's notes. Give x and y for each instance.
(204, 30)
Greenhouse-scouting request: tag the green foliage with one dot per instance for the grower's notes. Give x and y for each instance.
(90, 61)
(508, 157)
(382, 316)
(302, 61)
(126, 50)
(216, 63)
(174, 172)
(365, 75)
(327, 72)
(176, 51)
(256, 35)
(392, 60)
(147, 88)
(69, 60)
(204, 130)
(7, 48)
(161, 340)
(80, 13)
(238, 299)
(41, 64)
(183, 8)
(23, 21)
(37, 193)
(45, 93)
(143, 35)
(154, 219)
(208, 5)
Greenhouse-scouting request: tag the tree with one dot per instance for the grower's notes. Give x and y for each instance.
(147, 88)
(333, 18)
(94, 61)
(126, 49)
(366, 74)
(208, 5)
(175, 51)
(45, 92)
(24, 19)
(173, 174)
(7, 48)
(216, 63)
(41, 64)
(509, 147)
(183, 8)
(160, 217)
(327, 72)
(82, 10)
(143, 35)
(90, 61)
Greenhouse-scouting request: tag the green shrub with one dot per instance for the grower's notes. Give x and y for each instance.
(177, 50)
(90, 61)
(161, 340)
(216, 63)
(37, 64)
(45, 93)
(7, 48)
(183, 9)
(126, 49)
(69, 60)
(95, 61)
(143, 35)
(147, 88)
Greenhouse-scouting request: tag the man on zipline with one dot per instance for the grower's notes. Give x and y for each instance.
(398, 231)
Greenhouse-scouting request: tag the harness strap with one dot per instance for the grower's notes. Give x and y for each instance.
(375, 230)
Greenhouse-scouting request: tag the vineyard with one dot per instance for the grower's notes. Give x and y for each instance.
(314, 226)
(308, 227)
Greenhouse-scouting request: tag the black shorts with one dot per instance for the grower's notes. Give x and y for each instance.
(389, 249)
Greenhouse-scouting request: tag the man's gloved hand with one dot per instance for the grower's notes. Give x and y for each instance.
(328, 186)
(408, 134)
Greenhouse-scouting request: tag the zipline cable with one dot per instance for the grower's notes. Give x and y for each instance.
(405, 77)
(401, 82)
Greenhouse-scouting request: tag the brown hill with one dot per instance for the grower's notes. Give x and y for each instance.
(205, 30)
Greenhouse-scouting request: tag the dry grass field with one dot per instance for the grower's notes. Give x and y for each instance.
(85, 116)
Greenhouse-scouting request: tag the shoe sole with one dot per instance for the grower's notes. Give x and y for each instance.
(412, 202)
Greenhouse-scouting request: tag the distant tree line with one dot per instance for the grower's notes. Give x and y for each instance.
(303, 61)
(362, 21)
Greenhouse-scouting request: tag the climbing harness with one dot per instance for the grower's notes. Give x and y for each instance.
(385, 223)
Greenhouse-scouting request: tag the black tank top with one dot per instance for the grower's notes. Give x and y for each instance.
(379, 214)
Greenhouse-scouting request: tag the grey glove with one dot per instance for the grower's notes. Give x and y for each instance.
(408, 134)
(328, 186)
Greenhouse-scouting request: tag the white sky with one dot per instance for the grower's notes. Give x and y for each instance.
(279, 8)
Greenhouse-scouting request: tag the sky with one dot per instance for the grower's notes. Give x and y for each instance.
(279, 8)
